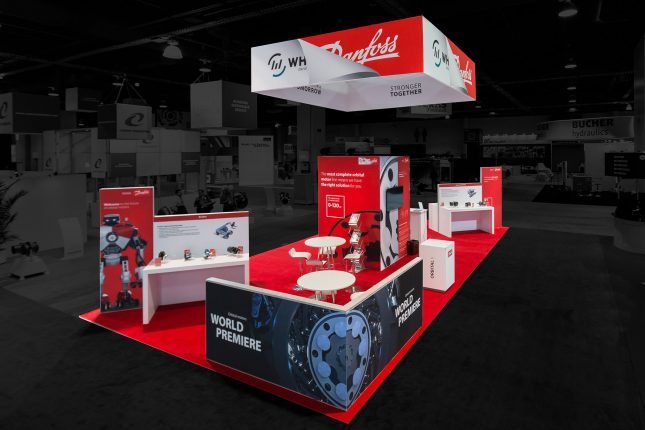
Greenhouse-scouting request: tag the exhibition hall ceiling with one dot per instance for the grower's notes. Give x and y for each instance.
(520, 47)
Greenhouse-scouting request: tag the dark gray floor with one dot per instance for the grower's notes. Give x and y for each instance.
(545, 334)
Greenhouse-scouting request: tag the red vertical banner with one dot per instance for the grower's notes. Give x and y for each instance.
(491, 180)
(125, 245)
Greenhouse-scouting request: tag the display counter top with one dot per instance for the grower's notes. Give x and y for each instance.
(196, 263)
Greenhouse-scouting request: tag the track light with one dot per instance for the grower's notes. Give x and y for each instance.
(567, 9)
(571, 88)
(204, 69)
(570, 65)
(572, 109)
(572, 100)
(172, 51)
(52, 92)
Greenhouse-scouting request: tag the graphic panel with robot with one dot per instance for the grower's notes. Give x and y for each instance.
(125, 245)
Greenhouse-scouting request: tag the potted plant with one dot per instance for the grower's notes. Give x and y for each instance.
(7, 215)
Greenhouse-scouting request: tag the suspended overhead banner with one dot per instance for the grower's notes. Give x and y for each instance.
(407, 62)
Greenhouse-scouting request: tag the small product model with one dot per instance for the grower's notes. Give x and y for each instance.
(187, 254)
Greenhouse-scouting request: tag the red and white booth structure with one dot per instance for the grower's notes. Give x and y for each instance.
(401, 63)
(254, 318)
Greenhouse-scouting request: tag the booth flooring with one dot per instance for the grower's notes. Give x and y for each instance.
(547, 333)
(179, 330)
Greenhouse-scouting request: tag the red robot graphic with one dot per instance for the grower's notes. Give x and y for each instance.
(115, 239)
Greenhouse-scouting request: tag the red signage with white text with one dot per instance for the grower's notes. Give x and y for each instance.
(125, 245)
(466, 69)
(378, 189)
(491, 180)
(390, 48)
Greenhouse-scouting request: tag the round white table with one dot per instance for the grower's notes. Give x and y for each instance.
(327, 243)
(326, 281)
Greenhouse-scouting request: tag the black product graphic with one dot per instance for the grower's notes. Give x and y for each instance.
(392, 196)
(339, 335)
(226, 230)
(115, 239)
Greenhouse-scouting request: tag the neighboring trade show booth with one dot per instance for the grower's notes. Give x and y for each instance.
(322, 321)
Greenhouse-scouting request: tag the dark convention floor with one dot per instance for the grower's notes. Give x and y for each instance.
(548, 333)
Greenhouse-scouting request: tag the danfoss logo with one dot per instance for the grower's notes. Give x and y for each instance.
(3, 110)
(134, 120)
(466, 71)
(141, 192)
(440, 57)
(362, 161)
(377, 49)
(278, 66)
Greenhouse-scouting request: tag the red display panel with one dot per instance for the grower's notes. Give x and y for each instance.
(390, 48)
(491, 180)
(377, 188)
(125, 245)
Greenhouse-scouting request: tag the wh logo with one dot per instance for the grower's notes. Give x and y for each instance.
(278, 66)
(439, 55)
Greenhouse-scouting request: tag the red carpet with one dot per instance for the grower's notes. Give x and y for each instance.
(179, 330)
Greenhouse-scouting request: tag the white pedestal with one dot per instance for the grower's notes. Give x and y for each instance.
(438, 264)
(433, 216)
(466, 219)
(418, 224)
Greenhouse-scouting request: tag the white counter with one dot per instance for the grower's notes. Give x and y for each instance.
(180, 281)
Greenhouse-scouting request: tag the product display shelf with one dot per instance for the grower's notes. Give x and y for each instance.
(355, 254)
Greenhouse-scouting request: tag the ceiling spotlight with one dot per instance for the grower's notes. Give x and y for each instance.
(163, 106)
(478, 106)
(204, 69)
(117, 84)
(570, 65)
(52, 92)
(1, 75)
(447, 117)
(571, 88)
(628, 107)
(493, 113)
(572, 100)
(137, 84)
(172, 51)
(567, 9)
(572, 109)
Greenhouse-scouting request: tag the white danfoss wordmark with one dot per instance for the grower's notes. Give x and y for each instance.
(374, 51)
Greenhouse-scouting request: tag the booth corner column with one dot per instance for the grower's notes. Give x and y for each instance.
(310, 140)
